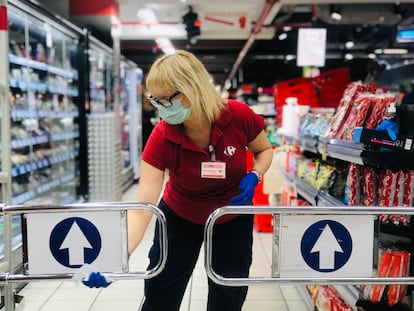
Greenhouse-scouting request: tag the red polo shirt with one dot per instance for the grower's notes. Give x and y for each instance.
(188, 194)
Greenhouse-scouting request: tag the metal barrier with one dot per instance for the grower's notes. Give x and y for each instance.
(79, 210)
(322, 277)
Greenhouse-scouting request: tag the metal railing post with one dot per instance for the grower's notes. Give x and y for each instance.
(299, 211)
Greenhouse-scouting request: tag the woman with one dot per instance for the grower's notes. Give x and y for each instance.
(202, 143)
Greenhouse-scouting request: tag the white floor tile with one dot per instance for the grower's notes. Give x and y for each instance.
(67, 305)
(112, 305)
(33, 305)
(36, 294)
(265, 305)
(264, 293)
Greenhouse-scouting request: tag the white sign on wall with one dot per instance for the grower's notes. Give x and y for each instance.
(311, 47)
(63, 242)
(326, 245)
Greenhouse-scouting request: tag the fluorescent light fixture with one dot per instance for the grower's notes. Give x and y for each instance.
(146, 15)
(165, 45)
(390, 51)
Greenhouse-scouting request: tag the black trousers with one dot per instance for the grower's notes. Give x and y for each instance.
(231, 257)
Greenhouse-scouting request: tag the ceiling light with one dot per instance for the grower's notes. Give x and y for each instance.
(372, 56)
(282, 36)
(335, 12)
(290, 57)
(349, 56)
(349, 44)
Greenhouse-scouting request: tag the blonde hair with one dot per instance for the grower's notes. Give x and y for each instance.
(183, 72)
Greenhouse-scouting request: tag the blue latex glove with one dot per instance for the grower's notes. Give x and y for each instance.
(247, 185)
(96, 279)
(390, 126)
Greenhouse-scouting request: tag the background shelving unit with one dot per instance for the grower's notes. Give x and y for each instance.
(353, 153)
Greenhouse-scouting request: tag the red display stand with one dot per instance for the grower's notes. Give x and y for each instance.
(262, 222)
(325, 90)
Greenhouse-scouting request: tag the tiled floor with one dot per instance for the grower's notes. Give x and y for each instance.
(127, 295)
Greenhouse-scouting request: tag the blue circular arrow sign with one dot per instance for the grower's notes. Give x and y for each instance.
(326, 246)
(75, 241)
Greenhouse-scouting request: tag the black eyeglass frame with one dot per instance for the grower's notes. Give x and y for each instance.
(165, 101)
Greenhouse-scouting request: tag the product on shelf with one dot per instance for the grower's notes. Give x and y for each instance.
(360, 109)
(392, 262)
(353, 185)
(345, 106)
(327, 298)
(316, 122)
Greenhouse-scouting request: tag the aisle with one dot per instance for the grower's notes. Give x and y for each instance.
(127, 295)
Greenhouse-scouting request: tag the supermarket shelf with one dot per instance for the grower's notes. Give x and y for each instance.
(352, 152)
(342, 150)
(307, 143)
(312, 195)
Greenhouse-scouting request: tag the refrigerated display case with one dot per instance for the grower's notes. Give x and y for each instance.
(43, 85)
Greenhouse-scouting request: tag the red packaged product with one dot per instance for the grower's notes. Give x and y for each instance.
(369, 186)
(356, 118)
(405, 272)
(384, 267)
(345, 106)
(408, 188)
(353, 185)
(399, 189)
(379, 111)
(396, 271)
(343, 109)
(386, 189)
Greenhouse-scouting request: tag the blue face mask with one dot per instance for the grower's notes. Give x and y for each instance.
(176, 114)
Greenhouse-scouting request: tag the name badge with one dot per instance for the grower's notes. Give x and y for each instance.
(215, 170)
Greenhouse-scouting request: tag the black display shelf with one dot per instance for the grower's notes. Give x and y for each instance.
(353, 152)
(406, 231)
(393, 160)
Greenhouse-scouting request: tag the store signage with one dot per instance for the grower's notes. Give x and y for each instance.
(63, 242)
(326, 246)
(311, 47)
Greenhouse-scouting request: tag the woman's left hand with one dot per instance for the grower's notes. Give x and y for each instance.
(247, 185)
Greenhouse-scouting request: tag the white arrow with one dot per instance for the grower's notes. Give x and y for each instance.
(327, 245)
(76, 242)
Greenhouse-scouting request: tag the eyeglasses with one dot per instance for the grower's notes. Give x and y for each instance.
(163, 101)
